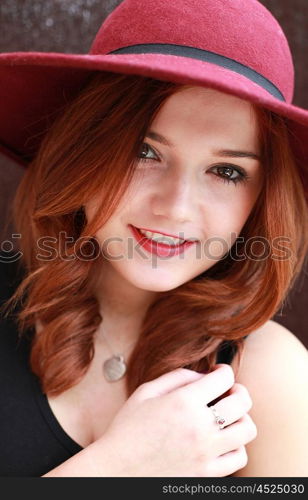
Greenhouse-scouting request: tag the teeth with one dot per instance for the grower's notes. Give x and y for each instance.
(161, 238)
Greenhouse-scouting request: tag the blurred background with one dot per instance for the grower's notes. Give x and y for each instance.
(70, 26)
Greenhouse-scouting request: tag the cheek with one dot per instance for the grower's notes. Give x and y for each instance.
(246, 206)
(220, 235)
(226, 218)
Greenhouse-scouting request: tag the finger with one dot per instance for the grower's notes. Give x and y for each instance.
(240, 433)
(211, 385)
(168, 382)
(228, 463)
(234, 406)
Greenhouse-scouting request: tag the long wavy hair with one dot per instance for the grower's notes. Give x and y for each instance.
(81, 156)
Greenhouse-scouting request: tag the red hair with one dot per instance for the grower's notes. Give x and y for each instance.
(81, 156)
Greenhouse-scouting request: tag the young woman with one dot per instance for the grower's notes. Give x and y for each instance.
(162, 220)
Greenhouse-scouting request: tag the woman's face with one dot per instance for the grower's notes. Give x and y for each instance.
(189, 186)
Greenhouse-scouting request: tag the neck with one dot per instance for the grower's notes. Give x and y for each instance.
(122, 306)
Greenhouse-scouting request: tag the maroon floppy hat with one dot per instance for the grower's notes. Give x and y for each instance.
(235, 46)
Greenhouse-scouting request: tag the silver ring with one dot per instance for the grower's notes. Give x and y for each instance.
(219, 420)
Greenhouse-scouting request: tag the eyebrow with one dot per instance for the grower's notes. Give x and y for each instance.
(230, 153)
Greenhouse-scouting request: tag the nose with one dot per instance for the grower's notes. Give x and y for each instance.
(176, 197)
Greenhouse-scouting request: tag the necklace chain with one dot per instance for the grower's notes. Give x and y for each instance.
(111, 350)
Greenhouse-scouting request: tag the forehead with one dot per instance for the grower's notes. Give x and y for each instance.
(204, 112)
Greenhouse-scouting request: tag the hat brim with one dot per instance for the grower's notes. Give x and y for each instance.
(34, 87)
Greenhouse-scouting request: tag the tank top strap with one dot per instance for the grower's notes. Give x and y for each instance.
(227, 351)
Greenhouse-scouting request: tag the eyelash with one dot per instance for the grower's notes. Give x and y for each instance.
(243, 176)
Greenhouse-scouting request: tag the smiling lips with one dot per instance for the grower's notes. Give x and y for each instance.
(160, 249)
(144, 230)
(161, 238)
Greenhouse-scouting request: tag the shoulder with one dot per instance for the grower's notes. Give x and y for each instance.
(274, 369)
(269, 351)
(273, 340)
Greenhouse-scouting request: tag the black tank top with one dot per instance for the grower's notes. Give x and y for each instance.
(32, 440)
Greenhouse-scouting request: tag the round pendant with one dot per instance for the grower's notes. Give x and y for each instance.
(114, 368)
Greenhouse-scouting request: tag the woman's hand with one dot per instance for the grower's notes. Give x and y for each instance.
(165, 428)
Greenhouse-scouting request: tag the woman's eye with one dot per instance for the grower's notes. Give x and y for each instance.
(229, 173)
(145, 149)
(225, 172)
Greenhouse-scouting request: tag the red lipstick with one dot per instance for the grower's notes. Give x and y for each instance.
(160, 249)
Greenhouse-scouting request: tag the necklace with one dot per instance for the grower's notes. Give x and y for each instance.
(114, 368)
